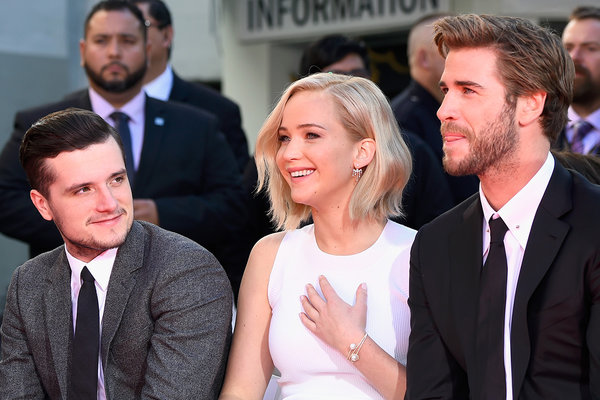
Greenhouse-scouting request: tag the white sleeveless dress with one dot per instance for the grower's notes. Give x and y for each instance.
(309, 368)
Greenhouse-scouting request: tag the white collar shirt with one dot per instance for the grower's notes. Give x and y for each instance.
(135, 110)
(592, 139)
(100, 268)
(160, 87)
(518, 214)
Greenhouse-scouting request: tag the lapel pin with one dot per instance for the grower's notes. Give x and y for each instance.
(159, 121)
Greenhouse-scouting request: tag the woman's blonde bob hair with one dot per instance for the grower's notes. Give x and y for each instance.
(365, 113)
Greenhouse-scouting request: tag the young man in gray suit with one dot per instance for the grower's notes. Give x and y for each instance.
(184, 175)
(159, 319)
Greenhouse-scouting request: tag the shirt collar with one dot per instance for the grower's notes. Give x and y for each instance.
(100, 267)
(160, 87)
(134, 108)
(518, 213)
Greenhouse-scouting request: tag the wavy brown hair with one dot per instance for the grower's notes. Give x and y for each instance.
(530, 59)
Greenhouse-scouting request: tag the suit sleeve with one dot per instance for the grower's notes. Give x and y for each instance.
(431, 371)
(191, 305)
(18, 375)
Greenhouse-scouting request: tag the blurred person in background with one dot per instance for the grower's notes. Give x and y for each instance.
(163, 83)
(581, 38)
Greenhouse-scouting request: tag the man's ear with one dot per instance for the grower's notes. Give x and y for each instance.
(168, 36)
(82, 45)
(365, 153)
(423, 58)
(530, 108)
(40, 202)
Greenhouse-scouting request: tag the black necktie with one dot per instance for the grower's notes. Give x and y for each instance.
(84, 353)
(122, 124)
(490, 320)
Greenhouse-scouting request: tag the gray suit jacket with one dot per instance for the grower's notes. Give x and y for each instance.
(166, 326)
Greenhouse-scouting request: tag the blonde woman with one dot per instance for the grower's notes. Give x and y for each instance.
(326, 303)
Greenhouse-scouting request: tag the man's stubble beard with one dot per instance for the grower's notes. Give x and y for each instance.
(496, 142)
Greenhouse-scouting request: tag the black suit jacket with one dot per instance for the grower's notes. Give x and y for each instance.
(186, 167)
(555, 332)
(226, 111)
(415, 110)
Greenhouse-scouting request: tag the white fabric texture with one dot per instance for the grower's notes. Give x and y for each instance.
(310, 368)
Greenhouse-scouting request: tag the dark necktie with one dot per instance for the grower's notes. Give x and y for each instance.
(490, 320)
(84, 353)
(580, 130)
(122, 124)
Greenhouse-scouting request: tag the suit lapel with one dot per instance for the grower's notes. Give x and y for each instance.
(59, 320)
(130, 258)
(465, 269)
(154, 136)
(545, 239)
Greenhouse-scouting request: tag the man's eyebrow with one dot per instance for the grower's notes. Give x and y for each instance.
(462, 83)
(83, 184)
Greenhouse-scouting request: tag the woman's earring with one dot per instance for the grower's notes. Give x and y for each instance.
(357, 173)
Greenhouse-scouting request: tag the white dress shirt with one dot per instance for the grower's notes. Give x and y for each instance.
(160, 87)
(518, 214)
(135, 110)
(592, 139)
(100, 268)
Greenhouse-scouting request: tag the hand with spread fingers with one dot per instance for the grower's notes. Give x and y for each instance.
(331, 319)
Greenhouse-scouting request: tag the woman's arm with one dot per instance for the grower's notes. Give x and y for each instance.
(338, 324)
(245, 379)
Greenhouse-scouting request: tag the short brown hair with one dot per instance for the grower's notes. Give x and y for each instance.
(530, 59)
(116, 5)
(365, 113)
(585, 12)
(62, 131)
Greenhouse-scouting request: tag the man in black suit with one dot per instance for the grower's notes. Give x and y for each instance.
(416, 106)
(184, 175)
(526, 324)
(163, 83)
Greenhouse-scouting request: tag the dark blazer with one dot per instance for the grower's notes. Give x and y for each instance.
(415, 110)
(165, 330)
(227, 112)
(186, 167)
(555, 333)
